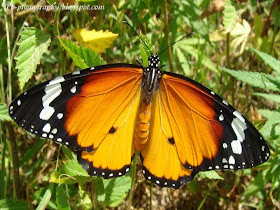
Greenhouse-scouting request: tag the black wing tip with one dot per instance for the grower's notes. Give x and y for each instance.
(102, 172)
(164, 182)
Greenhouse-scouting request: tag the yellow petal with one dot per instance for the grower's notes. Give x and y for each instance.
(98, 41)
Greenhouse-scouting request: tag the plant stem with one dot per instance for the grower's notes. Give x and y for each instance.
(57, 34)
(9, 79)
(93, 194)
(14, 154)
(167, 35)
(274, 32)
(133, 175)
(151, 196)
(228, 58)
(228, 66)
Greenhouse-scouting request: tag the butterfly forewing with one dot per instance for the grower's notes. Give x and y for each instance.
(208, 132)
(91, 111)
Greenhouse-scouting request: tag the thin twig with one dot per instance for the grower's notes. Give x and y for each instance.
(133, 175)
(167, 35)
(14, 154)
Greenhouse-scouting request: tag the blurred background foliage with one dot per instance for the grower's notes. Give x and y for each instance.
(230, 35)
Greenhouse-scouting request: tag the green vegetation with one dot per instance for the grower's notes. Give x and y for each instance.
(235, 52)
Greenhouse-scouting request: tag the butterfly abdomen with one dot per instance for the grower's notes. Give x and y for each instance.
(142, 125)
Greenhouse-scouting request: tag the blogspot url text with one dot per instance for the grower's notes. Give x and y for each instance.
(54, 7)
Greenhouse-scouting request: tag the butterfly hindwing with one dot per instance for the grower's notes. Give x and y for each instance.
(161, 163)
(91, 111)
(208, 132)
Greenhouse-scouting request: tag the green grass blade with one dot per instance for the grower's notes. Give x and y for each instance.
(11, 204)
(4, 115)
(61, 199)
(46, 198)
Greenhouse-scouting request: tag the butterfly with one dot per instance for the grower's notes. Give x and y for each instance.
(105, 113)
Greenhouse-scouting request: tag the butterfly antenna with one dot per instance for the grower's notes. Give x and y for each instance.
(125, 22)
(190, 34)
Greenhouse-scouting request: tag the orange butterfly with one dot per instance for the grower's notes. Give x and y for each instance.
(105, 113)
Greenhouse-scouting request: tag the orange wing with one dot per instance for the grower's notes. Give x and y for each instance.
(193, 129)
(161, 163)
(208, 132)
(102, 117)
(91, 111)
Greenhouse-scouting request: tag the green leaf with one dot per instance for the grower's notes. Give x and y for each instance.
(32, 151)
(62, 199)
(112, 192)
(72, 172)
(68, 153)
(82, 57)
(230, 16)
(256, 185)
(32, 44)
(273, 118)
(255, 79)
(269, 96)
(269, 60)
(4, 114)
(145, 53)
(210, 175)
(46, 198)
(241, 34)
(3, 50)
(183, 61)
(12, 204)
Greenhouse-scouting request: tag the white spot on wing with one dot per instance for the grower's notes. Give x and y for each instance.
(73, 89)
(76, 72)
(54, 131)
(239, 115)
(224, 145)
(59, 139)
(225, 102)
(221, 117)
(47, 128)
(236, 147)
(57, 80)
(53, 90)
(239, 127)
(19, 102)
(46, 113)
(59, 116)
(231, 160)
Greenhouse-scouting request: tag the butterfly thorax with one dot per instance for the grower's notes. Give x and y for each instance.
(151, 78)
(150, 84)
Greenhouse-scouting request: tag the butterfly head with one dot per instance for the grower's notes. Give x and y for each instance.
(153, 61)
